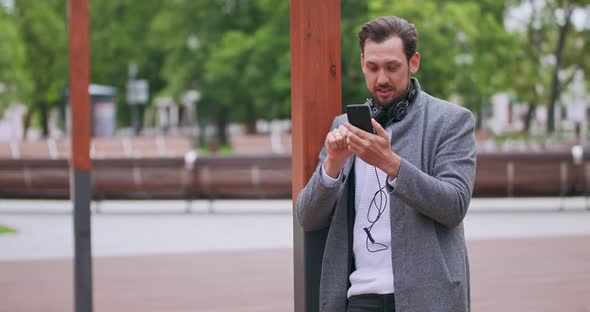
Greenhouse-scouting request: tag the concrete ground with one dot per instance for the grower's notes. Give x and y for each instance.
(526, 255)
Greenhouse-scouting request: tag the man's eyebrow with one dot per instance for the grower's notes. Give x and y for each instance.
(394, 62)
(390, 62)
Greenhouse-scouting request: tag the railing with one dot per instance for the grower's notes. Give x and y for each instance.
(257, 177)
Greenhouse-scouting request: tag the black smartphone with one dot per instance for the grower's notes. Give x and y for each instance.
(359, 115)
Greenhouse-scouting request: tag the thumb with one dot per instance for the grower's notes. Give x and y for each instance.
(380, 131)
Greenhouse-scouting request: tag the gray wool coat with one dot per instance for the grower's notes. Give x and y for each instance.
(434, 186)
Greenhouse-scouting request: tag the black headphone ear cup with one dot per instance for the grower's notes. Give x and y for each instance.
(381, 116)
(394, 112)
(400, 111)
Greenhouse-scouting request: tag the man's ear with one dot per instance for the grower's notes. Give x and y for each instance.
(415, 63)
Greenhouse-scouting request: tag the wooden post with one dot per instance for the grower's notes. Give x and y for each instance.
(80, 164)
(316, 98)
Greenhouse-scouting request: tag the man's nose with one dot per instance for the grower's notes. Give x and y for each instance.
(382, 77)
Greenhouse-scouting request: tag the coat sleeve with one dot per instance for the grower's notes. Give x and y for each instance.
(443, 196)
(316, 202)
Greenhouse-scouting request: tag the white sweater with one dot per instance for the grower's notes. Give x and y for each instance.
(374, 271)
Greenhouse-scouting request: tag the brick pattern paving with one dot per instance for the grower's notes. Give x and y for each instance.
(142, 147)
(100, 148)
(539, 274)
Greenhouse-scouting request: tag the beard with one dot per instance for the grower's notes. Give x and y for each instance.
(384, 99)
(391, 95)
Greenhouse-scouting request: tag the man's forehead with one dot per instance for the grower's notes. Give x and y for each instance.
(390, 50)
(392, 43)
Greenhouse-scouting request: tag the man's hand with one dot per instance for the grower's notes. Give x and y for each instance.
(338, 151)
(375, 150)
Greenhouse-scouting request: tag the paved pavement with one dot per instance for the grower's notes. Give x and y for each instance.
(252, 281)
(526, 255)
(155, 227)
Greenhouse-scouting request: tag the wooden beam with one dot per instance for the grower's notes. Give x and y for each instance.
(79, 82)
(316, 98)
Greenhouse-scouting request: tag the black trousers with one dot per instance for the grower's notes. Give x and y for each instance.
(371, 303)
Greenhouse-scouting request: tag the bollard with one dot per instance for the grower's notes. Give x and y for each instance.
(510, 178)
(189, 164)
(563, 184)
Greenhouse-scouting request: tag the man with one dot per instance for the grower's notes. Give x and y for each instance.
(394, 201)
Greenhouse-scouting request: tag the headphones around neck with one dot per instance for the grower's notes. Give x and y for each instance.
(394, 112)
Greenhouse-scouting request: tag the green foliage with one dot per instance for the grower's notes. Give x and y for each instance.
(462, 45)
(224, 149)
(118, 34)
(14, 77)
(241, 62)
(6, 229)
(44, 32)
(236, 52)
(544, 36)
(353, 15)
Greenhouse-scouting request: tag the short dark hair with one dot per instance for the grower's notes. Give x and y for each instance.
(384, 27)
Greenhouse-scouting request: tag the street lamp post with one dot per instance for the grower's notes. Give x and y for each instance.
(80, 163)
(137, 94)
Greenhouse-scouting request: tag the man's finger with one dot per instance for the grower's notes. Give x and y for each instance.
(353, 146)
(359, 132)
(358, 150)
(343, 130)
(331, 141)
(340, 142)
(353, 137)
(360, 145)
(380, 131)
(339, 138)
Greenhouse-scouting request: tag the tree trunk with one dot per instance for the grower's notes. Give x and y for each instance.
(479, 109)
(27, 123)
(528, 117)
(250, 119)
(555, 85)
(251, 127)
(479, 120)
(44, 118)
(202, 130)
(222, 119)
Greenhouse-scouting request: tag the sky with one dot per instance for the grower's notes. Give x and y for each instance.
(517, 17)
(7, 3)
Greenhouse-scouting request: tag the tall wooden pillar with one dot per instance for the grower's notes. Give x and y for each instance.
(80, 164)
(316, 98)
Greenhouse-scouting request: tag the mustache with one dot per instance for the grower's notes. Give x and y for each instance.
(384, 86)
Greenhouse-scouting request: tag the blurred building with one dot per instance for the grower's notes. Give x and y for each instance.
(11, 124)
(103, 110)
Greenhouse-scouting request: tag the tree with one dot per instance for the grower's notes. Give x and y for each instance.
(563, 11)
(485, 53)
(184, 33)
(241, 61)
(553, 47)
(43, 32)
(354, 15)
(463, 47)
(15, 83)
(118, 35)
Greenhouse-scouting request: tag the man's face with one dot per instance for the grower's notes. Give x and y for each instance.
(386, 69)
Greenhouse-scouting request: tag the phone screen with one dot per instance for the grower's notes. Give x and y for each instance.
(359, 115)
